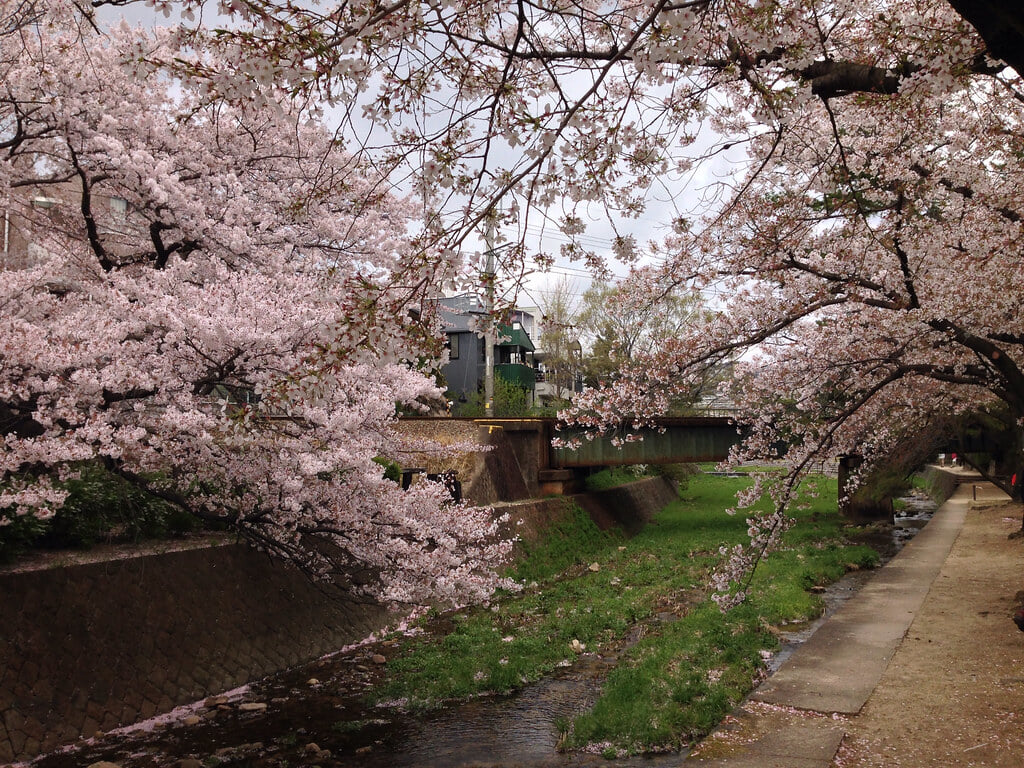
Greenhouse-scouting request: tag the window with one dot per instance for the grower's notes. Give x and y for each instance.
(453, 346)
(118, 206)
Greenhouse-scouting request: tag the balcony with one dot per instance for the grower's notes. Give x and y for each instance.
(522, 376)
(515, 336)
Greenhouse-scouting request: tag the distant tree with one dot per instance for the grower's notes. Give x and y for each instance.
(624, 324)
(559, 339)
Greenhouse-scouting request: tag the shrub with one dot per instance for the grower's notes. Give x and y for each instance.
(17, 533)
(100, 507)
(392, 471)
(510, 402)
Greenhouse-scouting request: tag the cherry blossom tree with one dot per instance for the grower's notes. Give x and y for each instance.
(221, 305)
(864, 242)
(546, 107)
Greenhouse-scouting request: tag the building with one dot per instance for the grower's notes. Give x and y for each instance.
(37, 217)
(465, 371)
(557, 359)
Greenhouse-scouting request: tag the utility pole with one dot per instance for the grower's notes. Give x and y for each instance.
(489, 336)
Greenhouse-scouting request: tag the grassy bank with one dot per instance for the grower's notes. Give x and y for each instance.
(588, 590)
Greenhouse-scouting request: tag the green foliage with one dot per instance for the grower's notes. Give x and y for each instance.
(616, 476)
(530, 634)
(100, 507)
(622, 327)
(18, 533)
(290, 739)
(684, 675)
(551, 410)
(347, 726)
(510, 402)
(392, 471)
(560, 339)
(472, 408)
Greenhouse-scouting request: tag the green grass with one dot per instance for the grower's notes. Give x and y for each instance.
(683, 676)
(612, 477)
(572, 541)
(712, 466)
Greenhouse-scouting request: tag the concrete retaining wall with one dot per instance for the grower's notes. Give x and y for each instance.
(92, 647)
(940, 482)
(629, 507)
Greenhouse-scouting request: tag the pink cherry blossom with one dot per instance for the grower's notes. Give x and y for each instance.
(220, 304)
(842, 178)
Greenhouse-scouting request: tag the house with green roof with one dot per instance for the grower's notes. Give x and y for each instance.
(465, 371)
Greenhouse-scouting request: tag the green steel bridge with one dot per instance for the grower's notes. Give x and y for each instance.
(670, 441)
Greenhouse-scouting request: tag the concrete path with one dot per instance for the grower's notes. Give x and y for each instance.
(797, 718)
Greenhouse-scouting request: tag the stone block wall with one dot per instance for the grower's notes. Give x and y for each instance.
(93, 647)
(940, 482)
(631, 506)
(628, 507)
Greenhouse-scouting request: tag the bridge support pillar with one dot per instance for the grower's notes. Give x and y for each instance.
(557, 482)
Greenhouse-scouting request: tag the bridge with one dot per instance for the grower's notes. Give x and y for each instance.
(522, 448)
(674, 440)
(523, 463)
(547, 470)
(671, 441)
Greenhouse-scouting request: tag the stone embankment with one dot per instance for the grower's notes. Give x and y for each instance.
(91, 647)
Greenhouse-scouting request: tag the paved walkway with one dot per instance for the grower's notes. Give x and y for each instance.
(800, 716)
